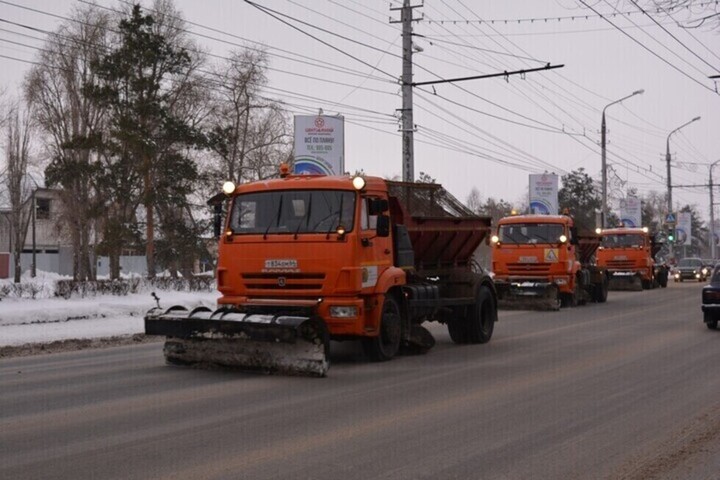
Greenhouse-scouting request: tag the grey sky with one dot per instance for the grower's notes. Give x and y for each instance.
(519, 123)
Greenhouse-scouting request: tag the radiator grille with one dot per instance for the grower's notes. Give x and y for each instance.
(310, 282)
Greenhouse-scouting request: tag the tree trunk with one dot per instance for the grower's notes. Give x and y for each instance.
(114, 264)
(149, 212)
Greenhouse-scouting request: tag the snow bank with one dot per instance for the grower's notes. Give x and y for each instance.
(46, 318)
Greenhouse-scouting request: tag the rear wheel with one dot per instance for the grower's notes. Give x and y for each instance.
(386, 344)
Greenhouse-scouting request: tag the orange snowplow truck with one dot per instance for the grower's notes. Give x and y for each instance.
(541, 262)
(308, 259)
(629, 256)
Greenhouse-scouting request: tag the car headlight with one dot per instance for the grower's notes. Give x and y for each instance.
(343, 311)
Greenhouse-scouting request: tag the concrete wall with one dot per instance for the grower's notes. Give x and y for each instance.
(128, 264)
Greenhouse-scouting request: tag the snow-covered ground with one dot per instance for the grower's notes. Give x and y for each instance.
(47, 318)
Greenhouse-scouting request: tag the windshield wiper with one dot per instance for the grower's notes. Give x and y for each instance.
(307, 215)
(541, 238)
(277, 217)
(342, 197)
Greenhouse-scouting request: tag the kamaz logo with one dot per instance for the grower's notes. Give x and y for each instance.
(282, 281)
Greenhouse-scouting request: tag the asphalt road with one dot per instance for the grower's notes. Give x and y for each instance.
(628, 389)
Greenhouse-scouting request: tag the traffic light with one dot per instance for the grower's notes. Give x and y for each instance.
(671, 235)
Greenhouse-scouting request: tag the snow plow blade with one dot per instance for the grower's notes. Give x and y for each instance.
(625, 282)
(529, 298)
(273, 343)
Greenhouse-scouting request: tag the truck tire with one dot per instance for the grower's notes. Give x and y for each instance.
(386, 344)
(710, 321)
(479, 323)
(572, 299)
(663, 279)
(600, 291)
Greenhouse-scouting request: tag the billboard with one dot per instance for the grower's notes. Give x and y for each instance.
(631, 212)
(683, 231)
(544, 194)
(319, 145)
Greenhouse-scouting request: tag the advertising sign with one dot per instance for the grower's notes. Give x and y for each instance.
(631, 212)
(544, 194)
(683, 234)
(319, 145)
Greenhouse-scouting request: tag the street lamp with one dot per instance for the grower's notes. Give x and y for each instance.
(669, 183)
(603, 134)
(712, 214)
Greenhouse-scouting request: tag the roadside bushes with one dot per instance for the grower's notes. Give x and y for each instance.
(68, 288)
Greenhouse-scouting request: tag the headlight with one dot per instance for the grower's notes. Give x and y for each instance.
(561, 281)
(343, 311)
(494, 239)
(228, 187)
(358, 182)
(563, 239)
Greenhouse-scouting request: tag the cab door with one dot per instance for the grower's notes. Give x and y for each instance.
(375, 252)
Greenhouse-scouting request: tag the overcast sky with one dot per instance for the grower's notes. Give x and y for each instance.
(489, 134)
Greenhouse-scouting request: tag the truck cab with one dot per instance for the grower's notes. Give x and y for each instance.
(628, 254)
(298, 239)
(543, 257)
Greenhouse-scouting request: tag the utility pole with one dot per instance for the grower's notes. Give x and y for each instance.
(603, 156)
(712, 219)
(669, 182)
(408, 125)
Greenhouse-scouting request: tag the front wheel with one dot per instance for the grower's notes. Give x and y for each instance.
(601, 291)
(386, 344)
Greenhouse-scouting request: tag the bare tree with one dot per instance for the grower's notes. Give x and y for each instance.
(72, 123)
(249, 134)
(18, 132)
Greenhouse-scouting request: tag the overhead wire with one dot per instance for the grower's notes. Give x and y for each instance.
(274, 14)
(646, 48)
(634, 2)
(509, 41)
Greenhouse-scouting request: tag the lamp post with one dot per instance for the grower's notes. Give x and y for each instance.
(603, 143)
(712, 213)
(669, 183)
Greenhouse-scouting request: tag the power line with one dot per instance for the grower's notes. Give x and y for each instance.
(272, 13)
(673, 36)
(647, 49)
(554, 19)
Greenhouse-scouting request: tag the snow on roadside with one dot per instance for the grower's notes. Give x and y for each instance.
(46, 319)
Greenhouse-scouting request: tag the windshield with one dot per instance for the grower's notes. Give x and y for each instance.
(293, 212)
(623, 241)
(531, 233)
(690, 262)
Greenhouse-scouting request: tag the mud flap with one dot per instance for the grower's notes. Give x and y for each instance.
(287, 344)
(418, 342)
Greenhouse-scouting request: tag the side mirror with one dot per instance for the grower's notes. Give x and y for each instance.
(383, 226)
(377, 206)
(217, 219)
